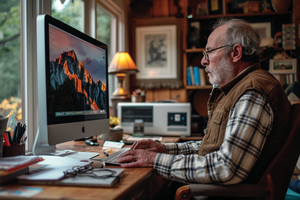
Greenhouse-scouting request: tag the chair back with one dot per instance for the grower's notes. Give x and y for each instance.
(282, 166)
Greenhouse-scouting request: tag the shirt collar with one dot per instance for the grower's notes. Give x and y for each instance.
(227, 86)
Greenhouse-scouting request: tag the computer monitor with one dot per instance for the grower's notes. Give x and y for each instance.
(72, 85)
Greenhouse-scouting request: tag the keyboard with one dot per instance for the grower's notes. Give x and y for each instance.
(112, 158)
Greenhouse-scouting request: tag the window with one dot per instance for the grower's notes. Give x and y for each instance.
(70, 12)
(10, 69)
(110, 30)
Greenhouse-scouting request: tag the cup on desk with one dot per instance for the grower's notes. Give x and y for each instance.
(113, 135)
(137, 98)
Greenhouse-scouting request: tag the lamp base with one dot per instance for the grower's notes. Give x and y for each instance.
(120, 91)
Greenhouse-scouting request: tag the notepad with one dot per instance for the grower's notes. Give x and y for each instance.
(81, 180)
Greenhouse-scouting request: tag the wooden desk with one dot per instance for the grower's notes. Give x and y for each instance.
(136, 183)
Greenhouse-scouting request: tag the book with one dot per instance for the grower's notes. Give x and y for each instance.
(188, 78)
(12, 176)
(196, 75)
(202, 77)
(83, 180)
(10, 164)
(192, 75)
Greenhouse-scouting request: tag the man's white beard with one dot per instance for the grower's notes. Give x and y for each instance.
(222, 72)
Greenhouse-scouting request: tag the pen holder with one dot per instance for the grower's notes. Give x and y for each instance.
(15, 150)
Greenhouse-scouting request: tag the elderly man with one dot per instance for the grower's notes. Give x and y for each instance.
(248, 116)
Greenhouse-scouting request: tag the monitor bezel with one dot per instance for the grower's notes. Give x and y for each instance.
(48, 135)
(51, 118)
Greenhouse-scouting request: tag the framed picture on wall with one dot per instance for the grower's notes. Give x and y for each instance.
(155, 49)
(157, 53)
(263, 29)
(283, 66)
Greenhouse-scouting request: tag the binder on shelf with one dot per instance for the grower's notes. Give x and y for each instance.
(196, 75)
(202, 76)
(188, 78)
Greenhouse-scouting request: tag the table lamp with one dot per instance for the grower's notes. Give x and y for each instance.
(121, 64)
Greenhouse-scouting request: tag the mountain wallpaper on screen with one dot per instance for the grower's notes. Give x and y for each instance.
(73, 86)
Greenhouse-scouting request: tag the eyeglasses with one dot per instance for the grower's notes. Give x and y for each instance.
(205, 53)
(90, 171)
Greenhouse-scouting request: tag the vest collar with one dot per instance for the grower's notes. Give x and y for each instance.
(227, 86)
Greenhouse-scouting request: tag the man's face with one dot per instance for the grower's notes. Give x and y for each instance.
(219, 68)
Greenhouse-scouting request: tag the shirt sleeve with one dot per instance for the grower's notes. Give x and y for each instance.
(189, 147)
(249, 124)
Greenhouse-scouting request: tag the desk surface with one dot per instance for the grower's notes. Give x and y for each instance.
(140, 183)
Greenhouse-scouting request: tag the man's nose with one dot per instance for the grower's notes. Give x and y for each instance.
(204, 62)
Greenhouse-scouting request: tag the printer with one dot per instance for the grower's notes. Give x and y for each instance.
(160, 119)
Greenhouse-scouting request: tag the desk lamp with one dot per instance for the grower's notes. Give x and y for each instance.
(121, 64)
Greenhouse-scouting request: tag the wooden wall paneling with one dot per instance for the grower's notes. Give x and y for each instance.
(179, 95)
(160, 8)
(162, 94)
(149, 95)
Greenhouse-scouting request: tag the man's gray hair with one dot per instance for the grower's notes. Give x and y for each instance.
(240, 32)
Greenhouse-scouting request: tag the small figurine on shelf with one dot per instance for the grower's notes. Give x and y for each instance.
(138, 95)
(179, 14)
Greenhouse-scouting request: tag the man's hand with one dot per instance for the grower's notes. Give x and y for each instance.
(149, 145)
(137, 158)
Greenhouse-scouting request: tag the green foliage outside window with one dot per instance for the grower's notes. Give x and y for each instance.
(70, 12)
(10, 68)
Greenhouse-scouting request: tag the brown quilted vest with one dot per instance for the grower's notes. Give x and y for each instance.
(223, 99)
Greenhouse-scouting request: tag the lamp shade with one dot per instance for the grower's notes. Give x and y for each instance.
(122, 63)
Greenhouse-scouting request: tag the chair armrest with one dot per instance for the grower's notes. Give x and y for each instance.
(239, 190)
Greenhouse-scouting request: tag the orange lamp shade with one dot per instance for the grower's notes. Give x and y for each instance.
(122, 63)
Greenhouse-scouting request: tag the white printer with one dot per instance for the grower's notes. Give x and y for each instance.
(163, 119)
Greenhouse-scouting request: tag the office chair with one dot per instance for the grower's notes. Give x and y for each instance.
(274, 182)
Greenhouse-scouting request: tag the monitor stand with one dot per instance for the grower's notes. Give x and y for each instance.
(41, 147)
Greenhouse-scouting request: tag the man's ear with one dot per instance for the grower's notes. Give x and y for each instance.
(237, 52)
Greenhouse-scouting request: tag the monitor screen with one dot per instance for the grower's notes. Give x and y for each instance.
(72, 84)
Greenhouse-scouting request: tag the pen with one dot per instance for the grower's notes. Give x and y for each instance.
(106, 154)
(6, 141)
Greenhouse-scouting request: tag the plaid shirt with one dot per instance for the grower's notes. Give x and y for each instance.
(249, 124)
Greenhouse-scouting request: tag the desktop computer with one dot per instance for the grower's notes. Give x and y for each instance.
(72, 85)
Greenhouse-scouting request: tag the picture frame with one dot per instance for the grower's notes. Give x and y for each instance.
(264, 29)
(201, 9)
(156, 50)
(215, 7)
(283, 66)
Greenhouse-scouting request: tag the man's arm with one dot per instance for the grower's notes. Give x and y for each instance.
(247, 129)
(190, 147)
